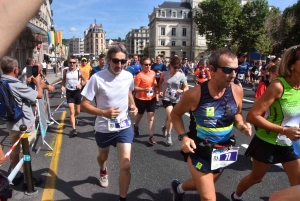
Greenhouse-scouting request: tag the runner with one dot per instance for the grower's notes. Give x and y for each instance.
(72, 82)
(145, 87)
(185, 67)
(254, 75)
(201, 74)
(272, 142)
(100, 66)
(136, 64)
(85, 69)
(175, 84)
(113, 88)
(215, 107)
(243, 67)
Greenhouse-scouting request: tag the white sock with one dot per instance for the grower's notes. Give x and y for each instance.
(179, 189)
(236, 197)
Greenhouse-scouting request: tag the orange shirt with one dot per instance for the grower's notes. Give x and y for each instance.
(203, 75)
(145, 80)
(86, 71)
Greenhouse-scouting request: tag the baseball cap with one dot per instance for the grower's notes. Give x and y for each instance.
(83, 59)
(242, 54)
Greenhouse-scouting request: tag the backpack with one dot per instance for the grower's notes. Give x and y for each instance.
(9, 108)
(5, 188)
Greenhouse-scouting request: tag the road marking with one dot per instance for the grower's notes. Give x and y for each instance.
(245, 146)
(49, 189)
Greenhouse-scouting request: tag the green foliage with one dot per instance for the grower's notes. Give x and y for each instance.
(217, 20)
(146, 50)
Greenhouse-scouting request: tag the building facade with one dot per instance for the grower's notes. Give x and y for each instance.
(173, 30)
(136, 40)
(33, 40)
(76, 45)
(94, 40)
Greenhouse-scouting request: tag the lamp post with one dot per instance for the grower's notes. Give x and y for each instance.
(181, 54)
(55, 63)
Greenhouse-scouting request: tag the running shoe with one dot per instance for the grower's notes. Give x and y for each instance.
(164, 131)
(233, 199)
(176, 196)
(103, 180)
(73, 133)
(169, 140)
(136, 130)
(151, 140)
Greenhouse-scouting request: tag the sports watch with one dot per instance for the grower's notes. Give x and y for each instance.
(180, 137)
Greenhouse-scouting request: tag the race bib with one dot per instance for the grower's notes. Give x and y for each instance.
(150, 93)
(72, 86)
(171, 94)
(157, 75)
(240, 76)
(118, 124)
(223, 157)
(256, 72)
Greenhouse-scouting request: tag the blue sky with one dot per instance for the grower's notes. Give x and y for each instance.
(117, 17)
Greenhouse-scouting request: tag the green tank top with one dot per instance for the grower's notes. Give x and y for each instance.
(284, 112)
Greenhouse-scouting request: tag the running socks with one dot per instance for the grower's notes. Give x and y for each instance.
(179, 189)
(103, 172)
(236, 197)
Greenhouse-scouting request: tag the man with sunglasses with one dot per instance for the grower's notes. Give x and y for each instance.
(112, 88)
(216, 107)
(85, 68)
(243, 70)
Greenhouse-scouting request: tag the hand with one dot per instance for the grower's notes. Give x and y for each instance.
(161, 94)
(28, 80)
(36, 80)
(246, 129)
(79, 86)
(148, 89)
(63, 88)
(50, 88)
(179, 91)
(111, 113)
(292, 133)
(133, 110)
(188, 145)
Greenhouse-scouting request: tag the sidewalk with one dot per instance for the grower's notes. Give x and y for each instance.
(51, 76)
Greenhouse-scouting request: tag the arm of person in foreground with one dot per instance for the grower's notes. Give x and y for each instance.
(15, 20)
(245, 128)
(288, 194)
(273, 92)
(1, 155)
(133, 109)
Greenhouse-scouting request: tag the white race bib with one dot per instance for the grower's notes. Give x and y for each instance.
(118, 124)
(240, 76)
(150, 93)
(72, 86)
(171, 94)
(223, 157)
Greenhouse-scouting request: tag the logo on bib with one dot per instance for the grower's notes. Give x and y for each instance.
(210, 111)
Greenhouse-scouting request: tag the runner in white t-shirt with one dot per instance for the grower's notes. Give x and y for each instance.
(112, 88)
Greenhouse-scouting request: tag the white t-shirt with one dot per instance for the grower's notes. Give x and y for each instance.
(44, 65)
(110, 91)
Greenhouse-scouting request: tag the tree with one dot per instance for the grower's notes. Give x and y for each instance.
(251, 26)
(146, 50)
(217, 20)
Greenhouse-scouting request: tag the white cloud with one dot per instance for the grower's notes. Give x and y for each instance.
(73, 29)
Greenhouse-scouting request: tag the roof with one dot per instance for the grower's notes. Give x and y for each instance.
(175, 5)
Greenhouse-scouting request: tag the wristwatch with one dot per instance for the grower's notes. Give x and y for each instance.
(180, 137)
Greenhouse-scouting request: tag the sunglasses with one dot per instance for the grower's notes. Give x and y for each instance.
(228, 70)
(72, 62)
(176, 67)
(147, 64)
(116, 61)
(83, 61)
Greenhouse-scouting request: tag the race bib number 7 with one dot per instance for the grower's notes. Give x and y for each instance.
(223, 157)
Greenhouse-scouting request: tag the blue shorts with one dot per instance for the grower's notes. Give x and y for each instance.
(106, 139)
(202, 164)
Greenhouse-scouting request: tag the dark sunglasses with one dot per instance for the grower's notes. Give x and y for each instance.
(228, 70)
(83, 60)
(176, 67)
(116, 61)
(147, 64)
(72, 62)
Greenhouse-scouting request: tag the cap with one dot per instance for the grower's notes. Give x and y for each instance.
(242, 54)
(185, 58)
(83, 58)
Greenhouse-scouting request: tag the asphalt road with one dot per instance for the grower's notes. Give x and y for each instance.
(73, 169)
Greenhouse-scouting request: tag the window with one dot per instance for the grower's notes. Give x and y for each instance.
(162, 32)
(184, 15)
(163, 13)
(183, 54)
(97, 35)
(183, 31)
(183, 43)
(173, 14)
(173, 43)
(96, 40)
(172, 54)
(173, 31)
(163, 53)
(162, 43)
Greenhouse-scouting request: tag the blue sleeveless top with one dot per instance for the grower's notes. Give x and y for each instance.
(214, 118)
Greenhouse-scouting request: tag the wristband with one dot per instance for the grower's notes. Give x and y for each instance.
(283, 129)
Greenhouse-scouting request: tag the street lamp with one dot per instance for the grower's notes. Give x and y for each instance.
(55, 63)
(181, 53)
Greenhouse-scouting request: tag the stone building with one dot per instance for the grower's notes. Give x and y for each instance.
(94, 40)
(136, 41)
(76, 45)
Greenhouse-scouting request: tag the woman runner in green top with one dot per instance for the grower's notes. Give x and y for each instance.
(280, 126)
